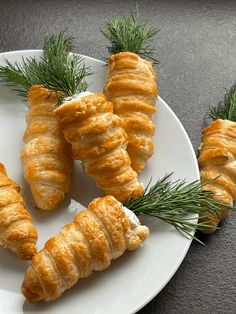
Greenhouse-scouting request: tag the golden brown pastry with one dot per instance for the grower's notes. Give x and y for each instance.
(217, 160)
(97, 235)
(17, 231)
(47, 157)
(99, 141)
(131, 84)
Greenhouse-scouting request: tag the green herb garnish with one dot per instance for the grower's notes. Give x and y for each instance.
(174, 202)
(58, 69)
(126, 33)
(226, 109)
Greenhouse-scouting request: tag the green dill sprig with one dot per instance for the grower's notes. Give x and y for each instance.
(226, 109)
(21, 76)
(58, 69)
(65, 71)
(126, 33)
(176, 203)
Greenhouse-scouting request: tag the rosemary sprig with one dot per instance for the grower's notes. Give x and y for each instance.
(226, 109)
(126, 33)
(172, 202)
(58, 69)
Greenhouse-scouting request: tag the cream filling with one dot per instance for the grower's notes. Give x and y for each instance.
(133, 219)
(77, 96)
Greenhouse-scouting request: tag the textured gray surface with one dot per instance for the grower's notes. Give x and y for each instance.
(197, 50)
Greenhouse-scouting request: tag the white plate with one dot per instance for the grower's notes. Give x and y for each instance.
(135, 278)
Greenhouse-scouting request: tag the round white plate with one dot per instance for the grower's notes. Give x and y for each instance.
(135, 278)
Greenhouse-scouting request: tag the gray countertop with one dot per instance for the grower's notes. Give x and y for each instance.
(197, 49)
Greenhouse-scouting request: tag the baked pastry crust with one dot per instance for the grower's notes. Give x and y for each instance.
(96, 236)
(217, 161)
(99, 141)
(131, 84)
(17, 231)
(47, 157)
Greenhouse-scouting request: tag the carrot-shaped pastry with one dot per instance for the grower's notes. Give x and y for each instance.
(17, 231)
(96, 236)
(131, 84)
(99, 141)
(106, 230)
(47, 157)
(217, 157)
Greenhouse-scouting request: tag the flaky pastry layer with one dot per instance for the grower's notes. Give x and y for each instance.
(99, 141)
(131, 84)
(95, 237)
(217, 160)
(47, 157)
(17, 231)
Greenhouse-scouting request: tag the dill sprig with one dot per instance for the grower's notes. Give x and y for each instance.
(226, 109)
(21, 76)
(177, 203)
(65, 71)
(58, 69)
(126, 33)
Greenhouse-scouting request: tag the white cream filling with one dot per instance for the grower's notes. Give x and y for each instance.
(133, 219)
(77, 96)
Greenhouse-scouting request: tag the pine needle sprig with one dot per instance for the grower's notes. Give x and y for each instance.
(226, 109)
(126, 33)
(176, 203)
(58, 69)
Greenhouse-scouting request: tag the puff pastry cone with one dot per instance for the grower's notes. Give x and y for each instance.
(131, 84)
(97, 235)
(217, 160)
(99, 141)
(46, 155)
(17, 231)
